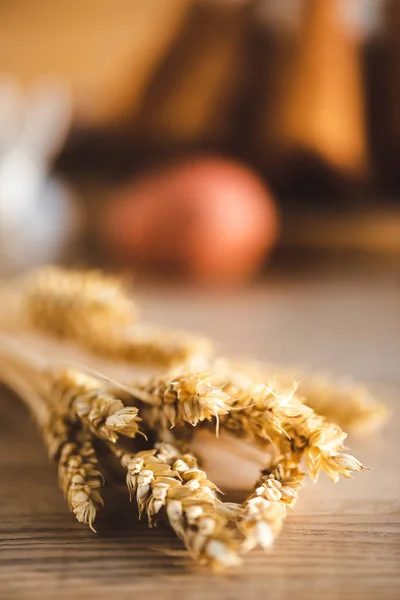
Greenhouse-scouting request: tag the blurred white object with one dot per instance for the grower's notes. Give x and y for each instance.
(37, 215)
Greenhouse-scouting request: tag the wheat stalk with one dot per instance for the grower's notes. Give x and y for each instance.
(149, 345)
(95, 311)
(72, 449)
(73, 393)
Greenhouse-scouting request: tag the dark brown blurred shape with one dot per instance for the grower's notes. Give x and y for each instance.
(191, 98)
(383, 61)
(313, 126)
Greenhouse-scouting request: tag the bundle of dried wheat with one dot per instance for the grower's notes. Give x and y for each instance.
(88, 420)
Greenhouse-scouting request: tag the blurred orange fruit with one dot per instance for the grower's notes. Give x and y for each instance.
(208, 219)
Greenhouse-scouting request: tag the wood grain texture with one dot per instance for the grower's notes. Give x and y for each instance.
(343, 541)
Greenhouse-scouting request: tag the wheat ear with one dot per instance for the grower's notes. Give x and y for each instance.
(265, 509)
(266, 415)
(350, 405)
(165, 481)
(89, 400)
(95, 311)
(79, 475)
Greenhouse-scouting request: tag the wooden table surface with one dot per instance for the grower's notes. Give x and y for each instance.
(343, 541)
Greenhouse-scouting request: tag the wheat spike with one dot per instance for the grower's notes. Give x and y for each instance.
(184, 396)
(165, 481)
(95, 311)
(266, 508)
(350, 405)
(73, 304)
(88, 399)
(72, 449)
(80, 478)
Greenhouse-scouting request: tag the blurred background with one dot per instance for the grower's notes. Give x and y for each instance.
(208, 141)
(248, 145)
